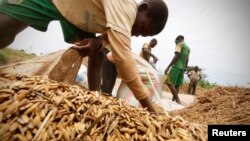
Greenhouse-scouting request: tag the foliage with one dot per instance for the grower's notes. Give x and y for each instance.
(3, 57)
(206, 84)
(8, 55)
(190, 68)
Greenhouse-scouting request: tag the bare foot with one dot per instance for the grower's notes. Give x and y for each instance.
(178, 101)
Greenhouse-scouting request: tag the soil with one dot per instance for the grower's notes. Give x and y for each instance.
(220, 105)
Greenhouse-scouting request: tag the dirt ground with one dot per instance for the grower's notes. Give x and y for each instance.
(220, 105)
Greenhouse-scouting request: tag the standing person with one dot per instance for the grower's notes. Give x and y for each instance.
(195, 77)
(178, 65)
(116, 20)
(146, 51)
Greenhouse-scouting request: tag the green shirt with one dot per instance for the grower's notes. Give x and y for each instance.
(183, 51)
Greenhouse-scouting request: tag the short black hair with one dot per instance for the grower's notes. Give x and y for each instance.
(179, 38)
(196, 67)
(158, 14)
(154, 40)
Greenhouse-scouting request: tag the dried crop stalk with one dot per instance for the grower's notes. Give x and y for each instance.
(36, 108)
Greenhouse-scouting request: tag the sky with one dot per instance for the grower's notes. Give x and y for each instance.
(217, 32)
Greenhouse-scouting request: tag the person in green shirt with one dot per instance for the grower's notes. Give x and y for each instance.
(176, 68)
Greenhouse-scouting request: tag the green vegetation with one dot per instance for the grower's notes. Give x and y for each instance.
(206, 84)
(8, 55)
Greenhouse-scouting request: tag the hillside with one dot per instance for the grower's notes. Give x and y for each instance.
(8, 56)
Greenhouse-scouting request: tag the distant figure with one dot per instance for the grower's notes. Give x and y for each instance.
(195, 77)
(178, 66)
(146, 52)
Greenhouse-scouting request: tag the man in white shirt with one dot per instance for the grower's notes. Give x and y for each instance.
(195, 77)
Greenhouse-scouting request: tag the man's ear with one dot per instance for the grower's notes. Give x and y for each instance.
(143, 6)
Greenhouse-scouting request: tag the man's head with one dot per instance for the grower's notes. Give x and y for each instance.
(153, 42)
(196, 68)
(179, 39)
(151, 18)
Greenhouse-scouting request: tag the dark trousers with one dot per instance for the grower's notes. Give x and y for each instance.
(109, 74)
(192, 86)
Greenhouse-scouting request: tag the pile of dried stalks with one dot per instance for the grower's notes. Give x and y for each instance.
(36, 108)
(220, 105)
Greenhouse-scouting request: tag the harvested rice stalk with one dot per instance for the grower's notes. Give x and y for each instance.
(36, 108)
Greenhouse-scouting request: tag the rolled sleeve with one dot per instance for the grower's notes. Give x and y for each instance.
(125, 63)
(178, 48)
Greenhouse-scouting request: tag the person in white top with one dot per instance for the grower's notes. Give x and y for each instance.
(146, 52)
(195, 77)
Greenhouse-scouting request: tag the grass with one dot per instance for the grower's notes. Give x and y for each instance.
(206, 84)
(8, 55)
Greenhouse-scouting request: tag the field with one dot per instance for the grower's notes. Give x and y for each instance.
(8, 56)
(216, 105)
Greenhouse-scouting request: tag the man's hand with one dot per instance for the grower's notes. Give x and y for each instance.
(88, 43)
(146, 103)
(81, 45)
(166, 71)
(155, 60)
(110, 57)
